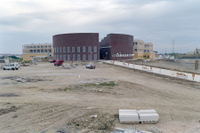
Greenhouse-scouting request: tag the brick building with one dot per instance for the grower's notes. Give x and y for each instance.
(116, 46)
(76, 46)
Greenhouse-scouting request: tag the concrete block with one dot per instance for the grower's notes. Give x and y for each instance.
(128, 116)
(119, 130)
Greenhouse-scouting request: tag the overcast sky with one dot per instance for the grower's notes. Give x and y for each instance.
(36, 21)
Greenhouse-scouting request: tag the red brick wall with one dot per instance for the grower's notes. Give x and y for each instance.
(76, 40)
(119, 43)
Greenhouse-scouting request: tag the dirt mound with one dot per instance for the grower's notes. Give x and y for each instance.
(101, 122)
(8, 110)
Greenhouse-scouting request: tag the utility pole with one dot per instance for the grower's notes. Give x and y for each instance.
(197, 61)
(173, 47)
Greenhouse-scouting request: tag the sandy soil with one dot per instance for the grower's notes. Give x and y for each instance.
(63, 100)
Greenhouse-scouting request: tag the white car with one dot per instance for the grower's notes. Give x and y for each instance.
(11, 66)
(90, 66)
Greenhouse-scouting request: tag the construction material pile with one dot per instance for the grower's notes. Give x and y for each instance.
(141, 116)
(129, 130)
(26, 79)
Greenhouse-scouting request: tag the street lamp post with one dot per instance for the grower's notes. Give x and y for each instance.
(120, 55)
(117, 56)
(133, 60)
(160, 63)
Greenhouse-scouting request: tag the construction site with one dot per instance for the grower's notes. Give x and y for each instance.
(43, 98)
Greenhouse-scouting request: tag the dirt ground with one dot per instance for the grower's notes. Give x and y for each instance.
(48, 99)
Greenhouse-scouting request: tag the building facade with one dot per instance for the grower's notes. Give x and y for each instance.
(148, 51)
(138, 48)
(32, 50)
(116, 46)
(76, 46)
(143, 50)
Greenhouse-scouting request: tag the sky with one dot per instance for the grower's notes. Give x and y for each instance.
(157, 21)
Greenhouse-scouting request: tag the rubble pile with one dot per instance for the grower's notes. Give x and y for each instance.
(26, 79)
(94, 123)
(7, 110)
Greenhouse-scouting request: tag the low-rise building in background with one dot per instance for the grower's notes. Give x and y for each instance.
(143, 50)
(33, 50)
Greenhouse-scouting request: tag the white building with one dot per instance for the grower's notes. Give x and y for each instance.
(32, 50)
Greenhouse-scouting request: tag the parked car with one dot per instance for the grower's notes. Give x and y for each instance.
(90, 66)
(11, 66)
(58, 63)
(52, 61)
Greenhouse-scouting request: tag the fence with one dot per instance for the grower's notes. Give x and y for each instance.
(166, 72)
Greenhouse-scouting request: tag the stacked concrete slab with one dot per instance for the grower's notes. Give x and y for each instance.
(141, 116)
(128, 116)
(148, 116)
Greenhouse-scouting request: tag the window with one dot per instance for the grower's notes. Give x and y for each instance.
(74, 58)
(57, 49)
(78, 49)
(68, 49)
(64, 57)
(95, 49)
(135, 50)
(73, 49)
(144, 51)
(78, 57)
(54, 50)
(89, 49)
(84, 57)
(147, 51)
(68, 57)
(64, 50)
(60, 50)
(95, 56)
(84, 49)
(60, 57)
(57, 57)
(89, 57)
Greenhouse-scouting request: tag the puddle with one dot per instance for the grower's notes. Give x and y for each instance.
(8, 95)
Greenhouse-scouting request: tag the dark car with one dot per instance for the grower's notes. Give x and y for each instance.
(90, 66)
(52, 61)
(58, 63)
